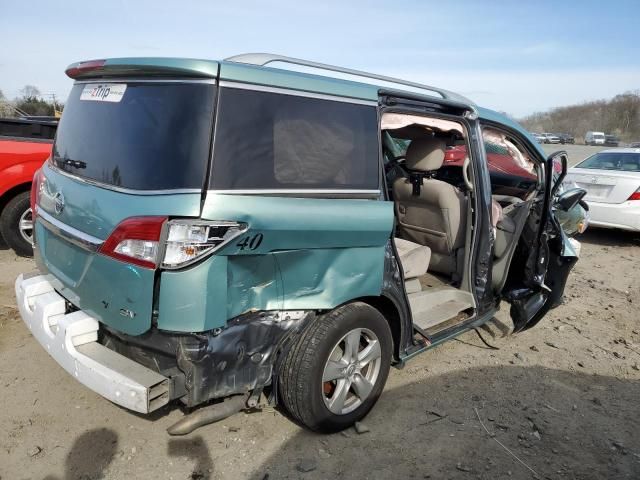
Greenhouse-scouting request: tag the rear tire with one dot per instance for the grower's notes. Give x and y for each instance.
(324, 351)
(14, 221)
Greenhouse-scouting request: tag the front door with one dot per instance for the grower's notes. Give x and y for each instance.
(544, 256)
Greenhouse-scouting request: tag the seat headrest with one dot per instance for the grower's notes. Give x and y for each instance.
(425, 154)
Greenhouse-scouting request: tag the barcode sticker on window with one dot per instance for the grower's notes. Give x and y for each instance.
(108, 92)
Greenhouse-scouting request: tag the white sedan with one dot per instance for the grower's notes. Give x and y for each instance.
(612, 181)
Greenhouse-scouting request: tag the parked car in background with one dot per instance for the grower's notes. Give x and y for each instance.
(539, 138)
(550, 138)
(565, 138)
(24, 146)
(612, 181)
(594, 138)
(611, 140)
(634, 145)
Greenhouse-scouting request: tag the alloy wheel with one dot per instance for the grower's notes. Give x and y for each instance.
(351, 371)
(25, 225)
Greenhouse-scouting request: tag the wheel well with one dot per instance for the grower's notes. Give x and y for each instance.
(390, 312)
(12, 192)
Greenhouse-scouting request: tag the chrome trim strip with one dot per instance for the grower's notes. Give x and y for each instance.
(310, 191)
(296, 93)
(211, 81)
(128, 191)
(73, 235)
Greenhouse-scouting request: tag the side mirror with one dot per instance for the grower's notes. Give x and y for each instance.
(569, 199)
(557, 169)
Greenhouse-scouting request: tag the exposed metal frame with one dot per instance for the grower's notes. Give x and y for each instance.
(263, 59)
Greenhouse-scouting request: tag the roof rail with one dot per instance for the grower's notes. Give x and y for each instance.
(263, 59)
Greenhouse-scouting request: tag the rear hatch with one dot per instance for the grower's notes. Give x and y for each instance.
(123, 149)
(608, 177)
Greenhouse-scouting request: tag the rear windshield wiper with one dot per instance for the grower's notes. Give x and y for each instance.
(70, 162)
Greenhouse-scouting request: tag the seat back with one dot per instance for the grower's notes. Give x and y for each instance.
(436, 215)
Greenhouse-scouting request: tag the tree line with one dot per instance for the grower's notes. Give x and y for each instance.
(619, 116)
(30, 102)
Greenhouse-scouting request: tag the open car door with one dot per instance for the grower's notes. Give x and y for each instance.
(544, 256)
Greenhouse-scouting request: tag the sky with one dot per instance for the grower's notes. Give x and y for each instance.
(506, 55)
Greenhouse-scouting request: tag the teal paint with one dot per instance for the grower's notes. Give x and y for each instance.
(296, 223)
(97, 211)
(325, 278)
(222, 287)
(275, 77)
(189, 67)
(315, 254)
(493, 116)
(101, 285)
(195, 299)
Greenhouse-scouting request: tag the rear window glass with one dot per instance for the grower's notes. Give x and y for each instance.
(268, 140)
(151, 136)
(629, 162)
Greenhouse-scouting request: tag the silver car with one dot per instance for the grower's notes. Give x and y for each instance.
(550, 138)
(612, 181)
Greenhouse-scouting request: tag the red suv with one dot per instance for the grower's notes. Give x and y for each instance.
(24, 146)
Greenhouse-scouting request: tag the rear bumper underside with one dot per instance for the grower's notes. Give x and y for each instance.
(72, 340)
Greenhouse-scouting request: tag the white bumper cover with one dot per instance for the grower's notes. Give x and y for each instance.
(71, 339)
(625, 215)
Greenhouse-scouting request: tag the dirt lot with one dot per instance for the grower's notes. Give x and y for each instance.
(561, 398)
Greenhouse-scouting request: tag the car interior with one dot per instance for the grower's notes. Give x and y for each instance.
(430, 180)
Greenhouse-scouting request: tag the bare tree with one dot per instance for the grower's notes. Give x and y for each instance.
(619, 116)
(30, 91)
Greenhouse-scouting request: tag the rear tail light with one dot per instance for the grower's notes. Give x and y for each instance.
(36, 187)
(635, 195)
(82, 68)
(187, 240)
(139, 240)
(136, 240)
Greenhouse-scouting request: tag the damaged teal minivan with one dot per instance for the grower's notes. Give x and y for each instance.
(212, 233)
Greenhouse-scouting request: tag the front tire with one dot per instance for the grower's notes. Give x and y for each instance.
(336, 370)
(16, 224)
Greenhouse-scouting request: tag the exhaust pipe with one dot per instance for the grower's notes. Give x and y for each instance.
(209, 414)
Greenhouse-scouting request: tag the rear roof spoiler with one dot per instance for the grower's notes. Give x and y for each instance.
(118, 67)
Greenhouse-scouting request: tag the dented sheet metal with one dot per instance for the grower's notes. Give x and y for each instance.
(217, 363)
(312, 254)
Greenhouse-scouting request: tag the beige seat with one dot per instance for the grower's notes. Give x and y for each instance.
(436, 216)
(413, 257)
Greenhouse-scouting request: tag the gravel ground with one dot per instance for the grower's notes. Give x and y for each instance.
(560, 400)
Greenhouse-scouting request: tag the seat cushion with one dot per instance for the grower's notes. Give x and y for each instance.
(413, 257)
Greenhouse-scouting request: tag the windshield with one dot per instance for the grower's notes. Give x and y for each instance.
(137, 135)
(628, 162)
